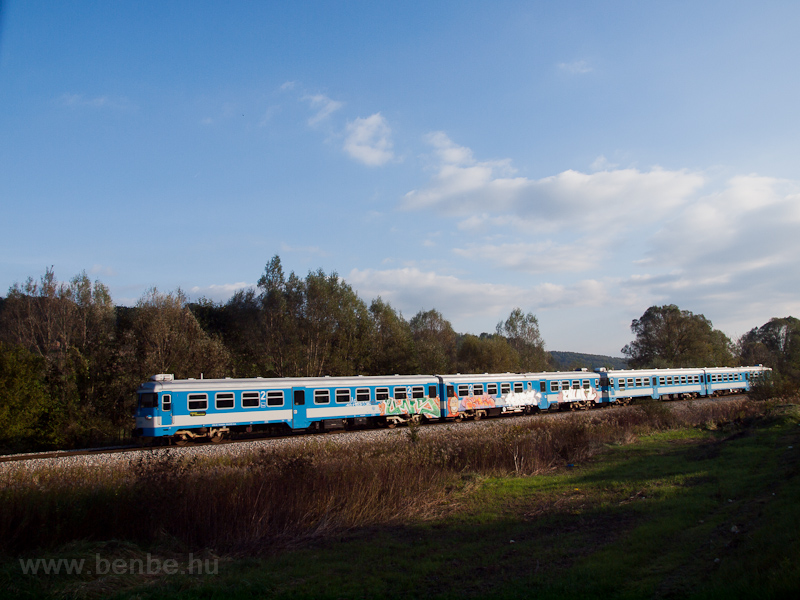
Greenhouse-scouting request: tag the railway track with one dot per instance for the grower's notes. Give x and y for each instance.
(89, 452)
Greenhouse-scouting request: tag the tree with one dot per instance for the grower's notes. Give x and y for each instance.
(29, 418)
(668, 337)
(165, 337)
(486, 354)
(71, 327)
(313, 326)
(392, 343)
(776, 344)
(522, 332)
(434, 342)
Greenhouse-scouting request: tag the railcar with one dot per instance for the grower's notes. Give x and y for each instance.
(210, 409)
(624, 386)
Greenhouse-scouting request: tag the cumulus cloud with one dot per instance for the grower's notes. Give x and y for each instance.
(468, 304)
(545, 256)
(465, 186)
(324, 106)
(734, 238)
(369, 140)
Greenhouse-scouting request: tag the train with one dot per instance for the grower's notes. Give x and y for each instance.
(183, 411)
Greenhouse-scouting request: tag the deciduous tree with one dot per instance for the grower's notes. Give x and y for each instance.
(667, 336)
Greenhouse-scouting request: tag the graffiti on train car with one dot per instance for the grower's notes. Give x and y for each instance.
(579, 395)
(464, 403)
(522, 399)
(428, 407)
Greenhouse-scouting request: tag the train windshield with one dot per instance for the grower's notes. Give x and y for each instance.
(148, 400)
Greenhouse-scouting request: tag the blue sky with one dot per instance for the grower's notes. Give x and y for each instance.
(580, 160)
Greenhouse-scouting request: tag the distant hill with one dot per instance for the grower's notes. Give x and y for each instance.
(568, 361)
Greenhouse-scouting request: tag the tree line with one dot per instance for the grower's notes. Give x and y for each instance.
(71, 360)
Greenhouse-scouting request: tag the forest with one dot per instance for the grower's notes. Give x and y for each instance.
(71, 360)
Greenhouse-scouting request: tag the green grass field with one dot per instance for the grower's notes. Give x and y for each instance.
(704, 511)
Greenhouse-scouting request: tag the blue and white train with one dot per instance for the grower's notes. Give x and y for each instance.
(186, 410)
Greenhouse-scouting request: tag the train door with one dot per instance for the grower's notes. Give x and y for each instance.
(299, 415)
(166, 409)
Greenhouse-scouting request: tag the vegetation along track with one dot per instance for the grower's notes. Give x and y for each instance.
(235, 446)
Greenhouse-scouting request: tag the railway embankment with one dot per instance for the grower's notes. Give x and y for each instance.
(660, 495)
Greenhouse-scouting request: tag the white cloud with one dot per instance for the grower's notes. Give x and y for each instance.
(615, 199)
(470, 305)
(288, 86)
(601, 163)
(537, 257)
(369, 140)
(219, 292)
(325, 107)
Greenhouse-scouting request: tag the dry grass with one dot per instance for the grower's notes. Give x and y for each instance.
(273, 498)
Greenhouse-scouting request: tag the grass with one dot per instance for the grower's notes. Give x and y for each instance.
(656, 504)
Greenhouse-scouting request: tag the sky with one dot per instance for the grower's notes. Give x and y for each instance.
(581, 160)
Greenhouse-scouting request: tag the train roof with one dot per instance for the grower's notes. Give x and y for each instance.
(167, 381)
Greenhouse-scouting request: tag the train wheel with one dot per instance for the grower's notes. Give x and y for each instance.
(218, 438)
(459, 418)
(182, 441)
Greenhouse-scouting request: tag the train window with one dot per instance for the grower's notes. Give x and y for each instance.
(381, 394)
(553, 386)
(223, 400)
(432, 392)
(322, 397)
(586, 384)
(638, 382)
(543, 387)
(342, 396)
(249, 399)
(622, 383)
(463, 390)
(198, 401)
(148, 400)
(275, 398)
(630, 381)
(669, 380)
(646, 381)
(299, 397)
(451, 391)
(661, 381)
(576, 385)
(697, 379)
(362, 395)
(491, 389)
(166, 403)
(505, 388)
(518, 387)
(477, 389)
(683, 379)
(418, 392)
(400, 393)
